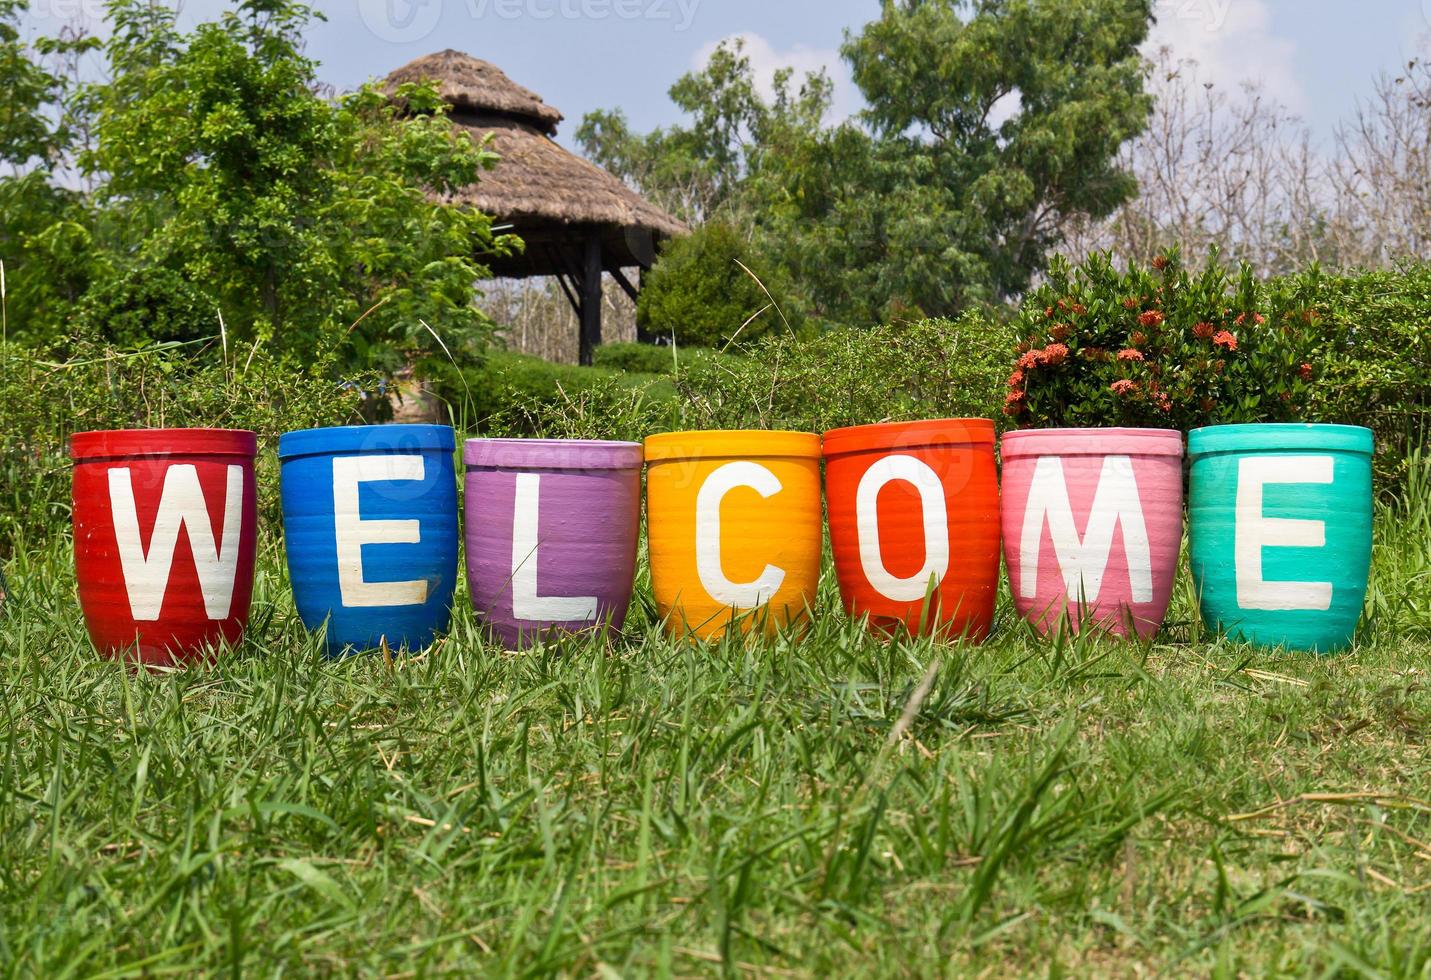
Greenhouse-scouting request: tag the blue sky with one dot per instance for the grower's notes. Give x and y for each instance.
(1317, 56)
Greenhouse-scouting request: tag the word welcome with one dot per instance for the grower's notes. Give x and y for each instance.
(1088, 522)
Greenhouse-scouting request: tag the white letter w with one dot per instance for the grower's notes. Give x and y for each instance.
(181, 505)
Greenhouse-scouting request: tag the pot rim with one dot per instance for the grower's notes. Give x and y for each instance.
(570, 455)
(126, 443)
(1281, 436)
(732, 443)
(350, 439)
(1094, 441)
(909, 435)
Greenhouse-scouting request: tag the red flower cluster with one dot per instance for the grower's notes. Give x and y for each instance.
(1204, 330)
(1061, 331)
(1139, 338)
(1131, 303)
(1123, 387)
(1130, 355)
(1051, 356)
(1225, 339)
(1306, 372)
(1152, 318)
(1160, 263)
(1257, 318)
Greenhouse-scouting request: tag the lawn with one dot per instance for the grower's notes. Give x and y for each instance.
(832, 805)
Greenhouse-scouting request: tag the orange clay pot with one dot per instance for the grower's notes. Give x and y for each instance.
(914, 524)
(734, 529)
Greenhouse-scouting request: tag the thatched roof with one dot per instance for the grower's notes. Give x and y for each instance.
(553, 198)
(470, 84)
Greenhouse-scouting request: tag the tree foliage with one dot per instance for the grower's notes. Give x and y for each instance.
(230, 196)
(26, 134)
(989, 127)
(708, 290)
(702, 171)
(31, 139)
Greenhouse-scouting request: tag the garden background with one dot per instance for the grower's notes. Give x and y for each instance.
(1034, 219)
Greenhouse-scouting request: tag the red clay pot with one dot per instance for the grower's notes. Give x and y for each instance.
(166, 525)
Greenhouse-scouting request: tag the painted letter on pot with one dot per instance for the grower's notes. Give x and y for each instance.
(925, 481)
(739, 595)
(181, 505)
(1084, 560)
(1256, 531)
(527, 604)
(353, 532)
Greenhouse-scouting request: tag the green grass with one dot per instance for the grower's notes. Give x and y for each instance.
(835, 806)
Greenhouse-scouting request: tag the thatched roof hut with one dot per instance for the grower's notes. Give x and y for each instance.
(577, 220)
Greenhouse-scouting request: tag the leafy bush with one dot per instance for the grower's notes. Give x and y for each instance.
(1155, 346)
(147, 305)
(843, 377)
(105, 388)
(700, 294)
(516, 394)
(607, 406)
(636, 358)
(1371, 355)
(846, 376)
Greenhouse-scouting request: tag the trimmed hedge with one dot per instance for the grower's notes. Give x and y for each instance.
(512, 394)
(661, 359)
(845, 376)
(1365, 338)
(1371, 348)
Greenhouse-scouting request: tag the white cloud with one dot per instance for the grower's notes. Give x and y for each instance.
(1233, 42)
(765, 61)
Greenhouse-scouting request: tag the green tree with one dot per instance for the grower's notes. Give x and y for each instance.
(223, 172)
(701, 171)
(26, 133)
(33, 137)
(989, 125)
(993, 123)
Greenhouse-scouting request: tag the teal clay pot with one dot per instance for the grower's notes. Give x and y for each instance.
(1280, 529)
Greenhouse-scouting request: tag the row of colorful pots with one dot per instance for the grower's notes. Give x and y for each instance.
(1090, 521)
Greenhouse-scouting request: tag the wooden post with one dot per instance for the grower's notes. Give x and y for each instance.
(591, 298)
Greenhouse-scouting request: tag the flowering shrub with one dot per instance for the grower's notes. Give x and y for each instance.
(1157, 347)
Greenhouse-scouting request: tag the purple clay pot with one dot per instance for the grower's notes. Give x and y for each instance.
(552, 530)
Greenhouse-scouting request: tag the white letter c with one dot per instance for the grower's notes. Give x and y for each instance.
(747, 595)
